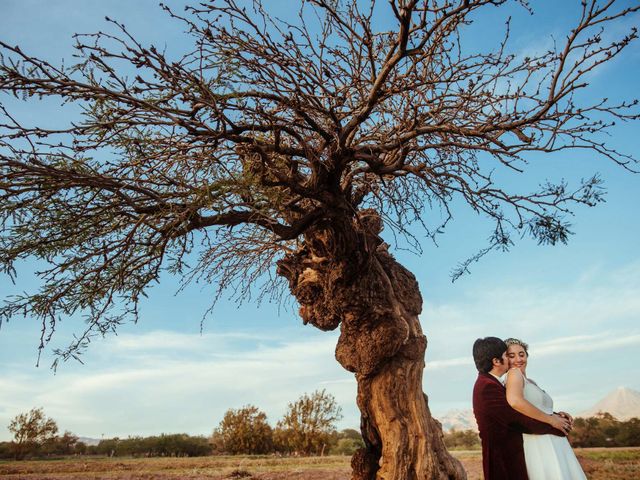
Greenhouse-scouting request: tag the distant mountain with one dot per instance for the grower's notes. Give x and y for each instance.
(623, 403)
(89, 441)
(458, 420)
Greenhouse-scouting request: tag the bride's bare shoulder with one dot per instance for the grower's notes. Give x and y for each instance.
(514, 372)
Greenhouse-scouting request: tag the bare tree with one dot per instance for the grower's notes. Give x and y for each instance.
(292, 144)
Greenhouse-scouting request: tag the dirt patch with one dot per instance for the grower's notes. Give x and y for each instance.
(598, 464)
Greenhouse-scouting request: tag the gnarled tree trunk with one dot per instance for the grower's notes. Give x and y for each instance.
(344, 276)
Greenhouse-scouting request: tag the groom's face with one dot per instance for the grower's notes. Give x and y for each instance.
(501, 365)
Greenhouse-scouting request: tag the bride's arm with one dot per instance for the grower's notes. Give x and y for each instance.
(515, 397)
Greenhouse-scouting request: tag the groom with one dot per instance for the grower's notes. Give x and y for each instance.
(500, 426)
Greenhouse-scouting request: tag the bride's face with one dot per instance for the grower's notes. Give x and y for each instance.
(517, 357)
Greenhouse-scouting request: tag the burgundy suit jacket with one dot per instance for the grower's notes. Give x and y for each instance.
(501, 429)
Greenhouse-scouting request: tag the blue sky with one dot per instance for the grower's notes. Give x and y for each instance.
(578, 305)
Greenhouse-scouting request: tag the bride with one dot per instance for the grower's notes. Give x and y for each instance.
(546, 456)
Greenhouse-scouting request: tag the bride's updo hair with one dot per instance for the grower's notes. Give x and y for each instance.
(515, 341)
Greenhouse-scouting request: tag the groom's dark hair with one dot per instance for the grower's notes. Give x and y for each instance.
(485, 350)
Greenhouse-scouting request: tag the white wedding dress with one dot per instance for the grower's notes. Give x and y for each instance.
(548, 457)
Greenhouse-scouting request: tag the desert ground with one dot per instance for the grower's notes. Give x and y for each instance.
(598, 463)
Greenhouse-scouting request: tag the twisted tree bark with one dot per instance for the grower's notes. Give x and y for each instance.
(344, 276)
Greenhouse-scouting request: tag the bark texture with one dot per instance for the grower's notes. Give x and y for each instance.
(344, 276)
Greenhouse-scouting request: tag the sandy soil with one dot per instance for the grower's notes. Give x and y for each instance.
(598, 464)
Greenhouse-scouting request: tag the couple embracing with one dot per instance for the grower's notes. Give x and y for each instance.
(507, 405)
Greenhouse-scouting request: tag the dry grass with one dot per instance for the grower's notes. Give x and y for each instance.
(211, 468)
(610, 463)
(599, 464)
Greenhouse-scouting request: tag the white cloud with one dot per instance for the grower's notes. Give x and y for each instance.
(163, 381)
(452, 362)
(557, 346)
(577, 331)
(586, 343)
(597, 301)
(163, 340)
(155, 383)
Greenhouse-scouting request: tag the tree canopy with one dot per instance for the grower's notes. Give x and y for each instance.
(244, 431)
(308, 424)
(268, 128)
(31, 429)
